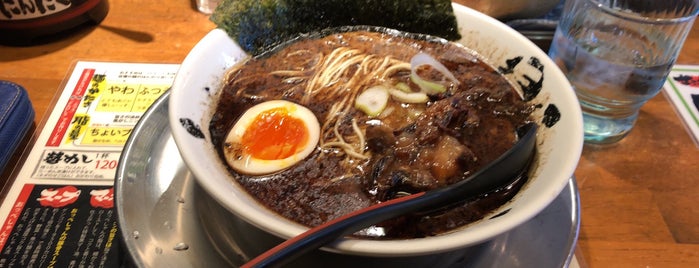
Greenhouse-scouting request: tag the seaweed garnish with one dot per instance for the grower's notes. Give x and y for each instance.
(258, 25)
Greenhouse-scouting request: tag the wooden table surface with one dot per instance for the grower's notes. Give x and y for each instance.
(639, 197)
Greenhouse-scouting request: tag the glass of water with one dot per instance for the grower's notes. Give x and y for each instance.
(207, 6)
(617, 55)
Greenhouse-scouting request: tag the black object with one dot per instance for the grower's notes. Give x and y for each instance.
(24, 23)
(695, 100)
(16, 118)
(539, 31)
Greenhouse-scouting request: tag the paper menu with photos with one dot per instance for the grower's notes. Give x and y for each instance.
(682, 88)
(59, 210)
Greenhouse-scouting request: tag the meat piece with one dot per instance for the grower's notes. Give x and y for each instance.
(446, 159)
(379, 138)
(406, 145)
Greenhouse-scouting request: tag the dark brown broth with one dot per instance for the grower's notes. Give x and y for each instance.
(481, 114)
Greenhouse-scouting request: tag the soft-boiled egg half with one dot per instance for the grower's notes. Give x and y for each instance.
(270, 137)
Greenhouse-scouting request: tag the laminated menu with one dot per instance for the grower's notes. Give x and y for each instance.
(59, 211)
(682, 88)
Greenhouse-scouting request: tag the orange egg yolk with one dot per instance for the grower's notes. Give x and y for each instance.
(275, 134)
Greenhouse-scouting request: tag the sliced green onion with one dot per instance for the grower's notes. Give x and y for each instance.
(429, 87)
(408, 97)
(403, 87)
(372, 101)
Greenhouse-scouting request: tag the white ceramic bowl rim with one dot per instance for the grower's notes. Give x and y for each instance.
(199, 79)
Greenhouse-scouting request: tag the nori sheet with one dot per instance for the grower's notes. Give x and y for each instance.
(258, 25)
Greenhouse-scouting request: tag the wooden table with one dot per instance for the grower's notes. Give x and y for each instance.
(638, 196)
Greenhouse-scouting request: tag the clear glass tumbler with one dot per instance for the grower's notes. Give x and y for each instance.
(617, 55)
(207, 6)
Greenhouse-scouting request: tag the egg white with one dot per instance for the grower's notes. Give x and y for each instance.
(248, 164)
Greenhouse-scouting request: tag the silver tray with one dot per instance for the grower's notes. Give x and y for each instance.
(160, 221)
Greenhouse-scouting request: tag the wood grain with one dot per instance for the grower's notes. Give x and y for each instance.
(639, 197)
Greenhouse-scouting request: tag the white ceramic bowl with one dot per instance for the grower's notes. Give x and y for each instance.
(559, 146)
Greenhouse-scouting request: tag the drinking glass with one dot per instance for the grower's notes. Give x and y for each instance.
(617, 55)
(207, 6)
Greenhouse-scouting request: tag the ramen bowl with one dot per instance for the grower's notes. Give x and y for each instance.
(234, 212)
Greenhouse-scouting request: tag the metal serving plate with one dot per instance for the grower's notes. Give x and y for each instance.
(160, 224)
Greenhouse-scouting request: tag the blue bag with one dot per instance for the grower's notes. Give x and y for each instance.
(16, 118)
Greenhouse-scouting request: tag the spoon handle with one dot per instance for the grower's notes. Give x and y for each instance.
(328, 232)
(498, 173)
